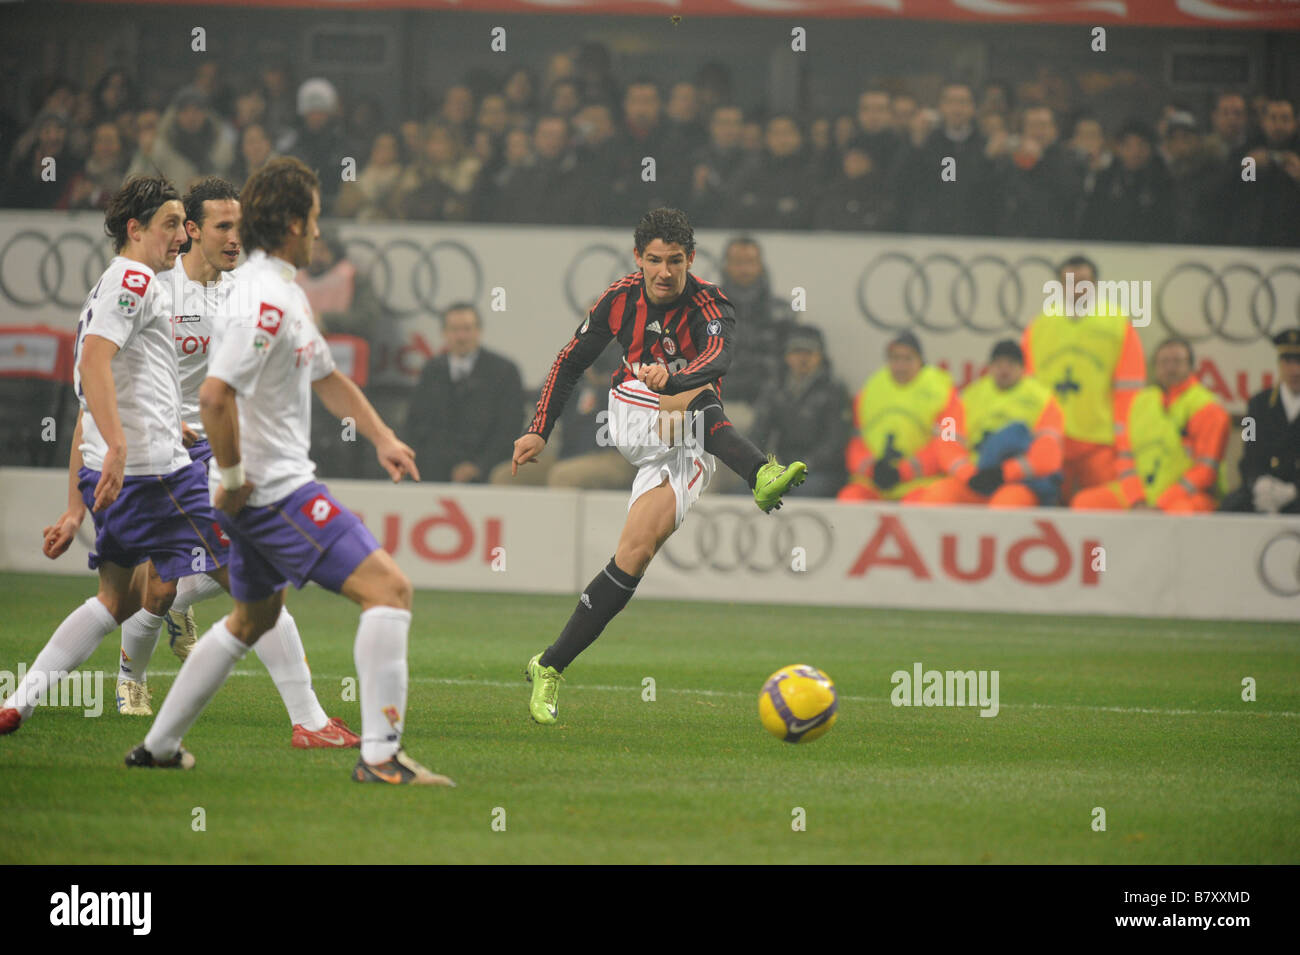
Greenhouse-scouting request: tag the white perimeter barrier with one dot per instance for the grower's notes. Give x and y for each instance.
(822, 553)
(959, 295)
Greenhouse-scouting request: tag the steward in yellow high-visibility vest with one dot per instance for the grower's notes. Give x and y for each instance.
(1014, 429)
(1090, 355)
(909, 427)
(1178, 430)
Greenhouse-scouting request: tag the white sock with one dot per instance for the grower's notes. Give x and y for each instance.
(139, 638)
(380, 654)
(71, 645)
(281, 652)
(194, 589)
(204, 671)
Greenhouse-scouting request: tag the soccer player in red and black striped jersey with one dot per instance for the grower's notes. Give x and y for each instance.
(676, 333)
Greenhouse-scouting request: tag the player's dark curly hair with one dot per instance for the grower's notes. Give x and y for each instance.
(274, 197)
(670, 225)
(211, 187)
(139, 198)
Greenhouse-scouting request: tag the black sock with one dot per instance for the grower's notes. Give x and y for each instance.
(605, 596)
(723, 440)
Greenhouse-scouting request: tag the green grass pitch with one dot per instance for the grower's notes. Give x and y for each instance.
(1142, 718)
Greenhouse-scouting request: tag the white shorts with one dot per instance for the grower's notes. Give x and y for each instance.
(634, 430)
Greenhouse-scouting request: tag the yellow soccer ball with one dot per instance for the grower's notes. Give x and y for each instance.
(797, 703)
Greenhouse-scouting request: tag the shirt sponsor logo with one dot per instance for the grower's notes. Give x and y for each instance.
(180, 319)
(270, 318)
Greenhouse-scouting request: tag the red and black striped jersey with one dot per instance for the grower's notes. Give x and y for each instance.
(692, 336)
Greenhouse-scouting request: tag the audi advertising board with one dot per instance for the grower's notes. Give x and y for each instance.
(960, 296)
(449, 537)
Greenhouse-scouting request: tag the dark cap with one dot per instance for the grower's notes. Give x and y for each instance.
(1287, 342)
(1007, 348)
(804, 338)
(908, 339)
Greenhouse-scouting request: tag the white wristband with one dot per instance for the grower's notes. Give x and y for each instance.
(232, 478)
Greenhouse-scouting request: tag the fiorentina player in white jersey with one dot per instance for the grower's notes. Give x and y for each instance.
(147, 498)
(196, 292)
(283, 525)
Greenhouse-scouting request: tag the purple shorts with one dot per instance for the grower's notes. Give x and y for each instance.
(168, 519)
(201, 451)
(307, 536)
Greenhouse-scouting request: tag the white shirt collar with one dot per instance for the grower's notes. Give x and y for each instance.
(1290, 402)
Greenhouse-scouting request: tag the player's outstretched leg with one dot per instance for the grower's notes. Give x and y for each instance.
(76, 638)
(384, 593)
(651, 520)
(765, 477)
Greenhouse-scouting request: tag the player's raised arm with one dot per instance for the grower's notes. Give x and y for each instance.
(574, 358)
(585, 347)
(344, 399)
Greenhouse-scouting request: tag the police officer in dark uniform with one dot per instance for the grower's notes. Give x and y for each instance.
(1270, 466)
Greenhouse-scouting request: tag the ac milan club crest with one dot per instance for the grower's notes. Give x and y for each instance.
(670, 346)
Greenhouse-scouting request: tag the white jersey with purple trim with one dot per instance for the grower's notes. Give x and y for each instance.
(198, 311)
(125, 309)
(270, 352)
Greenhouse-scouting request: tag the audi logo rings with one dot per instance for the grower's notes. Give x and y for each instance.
(439, 273)
(1215, 302)
(1016, 302)
(728, 539)
(1279, 564)
(35, 266)
(598, 266)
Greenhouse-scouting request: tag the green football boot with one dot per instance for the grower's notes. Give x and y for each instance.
(774, 480)
(546, 687)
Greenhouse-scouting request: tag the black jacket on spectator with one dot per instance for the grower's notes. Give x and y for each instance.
(774, 194)
(883, 147)
(809, 423)
(1039, 202)
(968, 205)
(475, 419)
(762, 322)
(862, 204)
(1131, 206)
(545, 192)
(711, 201)
(1263, 212)
(1275, 451)
(632, 194)
(323, 151)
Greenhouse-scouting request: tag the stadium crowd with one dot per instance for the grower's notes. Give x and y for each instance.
(1035, 159)
(1046, 156)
